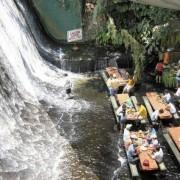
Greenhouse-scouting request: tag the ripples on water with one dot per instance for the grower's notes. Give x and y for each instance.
(91, 133)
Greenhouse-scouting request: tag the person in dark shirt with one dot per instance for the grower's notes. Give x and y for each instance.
(159, 70)
(132, 153)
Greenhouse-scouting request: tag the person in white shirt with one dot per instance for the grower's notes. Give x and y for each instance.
(167, 97)
(154, 140)
(120, 109)
(121, 113)
(113, 84)
(158, 154)
(68, 86)
(126, 135)
(177, 94)
(155, 114)
(177, 98)
(178, 78)
(132, 154)
(171, 108)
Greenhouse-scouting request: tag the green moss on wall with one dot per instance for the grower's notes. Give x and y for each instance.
(59, 16)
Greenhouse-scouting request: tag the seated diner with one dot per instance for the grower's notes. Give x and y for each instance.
(140, 149)
(132, 153)
(121, 113)
(157, 154)
(130, 84)
(113, 84)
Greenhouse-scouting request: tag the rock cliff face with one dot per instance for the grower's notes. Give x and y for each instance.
(60, 16)
(93, 20)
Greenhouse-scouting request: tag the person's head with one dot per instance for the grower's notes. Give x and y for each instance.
(130, 77)
(169, 102)
(135, 145)
(161, 111)
(158, 147)
(150, 126)
(124, 106)
(134, 137)
(110, 77)
(138, 104)
(114, 76)
(65, 74)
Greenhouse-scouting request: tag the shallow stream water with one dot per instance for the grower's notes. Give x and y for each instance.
(91, 134)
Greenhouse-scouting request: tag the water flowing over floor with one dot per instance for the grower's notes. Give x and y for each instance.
(44, 136)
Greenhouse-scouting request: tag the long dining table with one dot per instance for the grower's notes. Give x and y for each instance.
(144, 153)
(174, 133)
(119, 74)
(130, 111)
(157, 103)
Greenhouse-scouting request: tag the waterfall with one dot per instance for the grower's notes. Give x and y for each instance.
(30, 145)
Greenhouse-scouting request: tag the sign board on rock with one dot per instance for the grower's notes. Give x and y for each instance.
(74, 35)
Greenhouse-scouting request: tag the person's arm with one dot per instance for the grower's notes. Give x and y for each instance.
(156, 115)
(119, 110)
(139, 112)
(109, 83)
(178, 73)
(156, 67)
(153, 116)
(153, 156)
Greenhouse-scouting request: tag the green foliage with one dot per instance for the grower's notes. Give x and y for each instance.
(168, 79)
(99, 8)
(141, 27)
(116, 38)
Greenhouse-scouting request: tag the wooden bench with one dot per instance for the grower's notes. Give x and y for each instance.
(162, 166)
(134, 100)
(133, 169)
(172, 146)
(104, 76)
(112, 98)
(115, 107)
(148, 106)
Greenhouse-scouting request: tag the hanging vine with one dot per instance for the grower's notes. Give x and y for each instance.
(145, 29)
(115, 37)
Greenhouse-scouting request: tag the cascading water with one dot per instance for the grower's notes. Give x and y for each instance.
(30, 146)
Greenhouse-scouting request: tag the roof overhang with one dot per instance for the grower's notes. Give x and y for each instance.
(170, 4)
